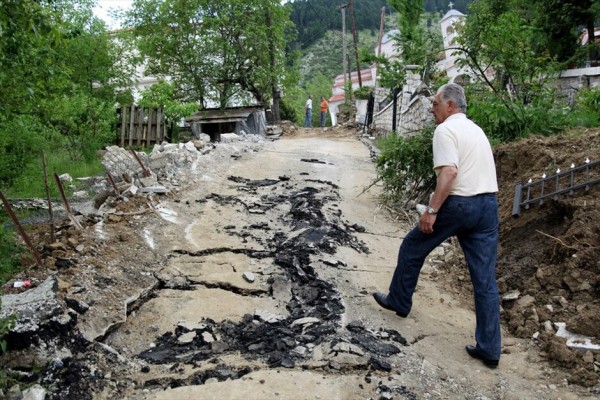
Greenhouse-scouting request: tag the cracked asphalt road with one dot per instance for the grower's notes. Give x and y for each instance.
(254, 281)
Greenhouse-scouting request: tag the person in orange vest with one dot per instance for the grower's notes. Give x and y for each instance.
(324, 108)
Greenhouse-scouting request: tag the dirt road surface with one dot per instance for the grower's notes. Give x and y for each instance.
(254, 281)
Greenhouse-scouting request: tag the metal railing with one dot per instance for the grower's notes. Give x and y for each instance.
(567, 182)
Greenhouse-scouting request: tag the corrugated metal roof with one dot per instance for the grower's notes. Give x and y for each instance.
(218, 115)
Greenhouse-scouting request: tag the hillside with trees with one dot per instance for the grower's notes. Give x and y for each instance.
(313, 18)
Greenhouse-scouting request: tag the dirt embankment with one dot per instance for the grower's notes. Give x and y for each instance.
(549, 257)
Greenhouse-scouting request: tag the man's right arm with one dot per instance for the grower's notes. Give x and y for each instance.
(445, 183)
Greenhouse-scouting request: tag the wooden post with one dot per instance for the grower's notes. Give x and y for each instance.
(158, 118)
(137, 158)
(354, 35)
(50, 215)
(24, 236)
(149, 127)
(123, 125)
(140, 126)
(113, 184)
(131, 118)
(62, 193)
(164, 126)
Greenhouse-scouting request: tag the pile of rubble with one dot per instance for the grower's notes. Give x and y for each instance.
(45, 330)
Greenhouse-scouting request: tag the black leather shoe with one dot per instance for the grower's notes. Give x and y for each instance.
(381, 299)
(473, 352)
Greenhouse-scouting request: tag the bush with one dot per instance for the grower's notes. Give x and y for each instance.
(510, 120)
(21, 141)
(586, 111)
(85, 124)
(363, 93)
(10, 253)
(287, 111)
(6, 324)
(406, 167)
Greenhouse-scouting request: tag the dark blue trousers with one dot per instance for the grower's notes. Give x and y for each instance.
(474, 221)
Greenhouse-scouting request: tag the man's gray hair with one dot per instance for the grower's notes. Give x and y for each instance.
(454, 92)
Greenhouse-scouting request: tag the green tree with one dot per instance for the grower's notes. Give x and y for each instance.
(418, 44)
(313, 18)
(517, 100)
(163, 94)
(562, 22)
(213, 51)
(318, 86)
(57, 80)
(405, 167)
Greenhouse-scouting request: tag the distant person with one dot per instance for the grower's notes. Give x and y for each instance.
(463, 205)
(324, 109)
(308, 112)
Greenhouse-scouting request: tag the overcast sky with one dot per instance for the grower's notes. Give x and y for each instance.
(103, 7)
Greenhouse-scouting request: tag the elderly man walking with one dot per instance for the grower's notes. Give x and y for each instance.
(463, 205)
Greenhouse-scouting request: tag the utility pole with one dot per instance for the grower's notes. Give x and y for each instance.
(354, 35)
(381, 24)
(274, 89)
(343, 8)
(380, 31)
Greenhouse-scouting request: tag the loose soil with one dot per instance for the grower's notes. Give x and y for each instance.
(160, 305)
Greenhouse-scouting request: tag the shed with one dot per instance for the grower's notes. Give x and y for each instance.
(239, 120)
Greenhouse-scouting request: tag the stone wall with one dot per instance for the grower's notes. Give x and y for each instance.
(570, 81)
(414, 103)
(413, 107)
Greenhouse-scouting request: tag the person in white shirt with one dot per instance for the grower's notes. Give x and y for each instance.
(464, 205)
(308, 112)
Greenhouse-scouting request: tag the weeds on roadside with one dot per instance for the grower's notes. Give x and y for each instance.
(405, 166)
(30, 183)
(6, 324)
(10, 252)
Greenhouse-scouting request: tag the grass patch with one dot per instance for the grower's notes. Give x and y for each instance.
(10, 251)
(30, 183)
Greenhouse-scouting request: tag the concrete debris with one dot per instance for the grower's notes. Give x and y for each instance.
(229, 138)
(305, 321)
(268, 317)
(36, 392)
(274, 130)
(186, 338)
(514, 295)
(65, 178)
(34, 307)
(158, 189)
(249, 276)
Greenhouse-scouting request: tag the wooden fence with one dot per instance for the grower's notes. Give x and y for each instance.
(142, 126)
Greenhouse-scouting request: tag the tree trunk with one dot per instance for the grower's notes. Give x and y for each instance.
(592, 52)
(275, 90)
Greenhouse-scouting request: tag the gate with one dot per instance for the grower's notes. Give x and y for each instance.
(142, 126)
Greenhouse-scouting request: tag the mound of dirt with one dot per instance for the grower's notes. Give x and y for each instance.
(549, 257)
(552, 251)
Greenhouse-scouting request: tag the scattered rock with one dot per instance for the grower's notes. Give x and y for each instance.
(249, 276)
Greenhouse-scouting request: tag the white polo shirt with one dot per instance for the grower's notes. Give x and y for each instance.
(309, 103)
(459, 142)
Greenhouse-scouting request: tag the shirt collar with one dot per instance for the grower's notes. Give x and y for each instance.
(457, 115)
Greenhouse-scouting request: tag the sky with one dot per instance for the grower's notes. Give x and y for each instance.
(102, 8)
